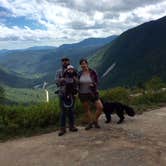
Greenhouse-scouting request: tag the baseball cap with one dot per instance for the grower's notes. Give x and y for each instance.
(70, 67)
(65, 59)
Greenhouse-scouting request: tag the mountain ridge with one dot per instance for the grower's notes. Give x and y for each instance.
(40, 63)
(139, 54)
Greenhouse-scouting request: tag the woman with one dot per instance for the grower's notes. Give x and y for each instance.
(88, 93)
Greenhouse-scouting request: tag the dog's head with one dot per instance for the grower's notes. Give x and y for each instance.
(130, 111)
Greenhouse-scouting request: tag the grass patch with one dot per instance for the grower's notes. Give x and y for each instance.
(33, 119)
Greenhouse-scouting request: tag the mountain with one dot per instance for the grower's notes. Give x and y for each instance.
(28, 63)
(42, 62)
(41, 48)
(82, 49)
(90, 42)
(135, 56)
(3, 51)
(11, 79)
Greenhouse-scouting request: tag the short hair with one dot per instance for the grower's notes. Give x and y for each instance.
(83, 60)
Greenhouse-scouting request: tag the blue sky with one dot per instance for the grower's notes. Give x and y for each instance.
(26, 23)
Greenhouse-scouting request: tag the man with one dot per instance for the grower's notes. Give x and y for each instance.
(60, 82)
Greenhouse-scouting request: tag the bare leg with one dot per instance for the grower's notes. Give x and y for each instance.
(99, 108)
(89, 113)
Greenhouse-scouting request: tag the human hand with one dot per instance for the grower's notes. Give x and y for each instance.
(75, 78)
(62, 79)
(91, 85)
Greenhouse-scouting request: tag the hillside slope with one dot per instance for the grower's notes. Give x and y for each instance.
(138, 53)
(13, 80)
(42, 62)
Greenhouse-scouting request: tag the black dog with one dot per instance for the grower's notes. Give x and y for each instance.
(118, 108)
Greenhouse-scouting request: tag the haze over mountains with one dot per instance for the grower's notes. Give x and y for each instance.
(38, 64)
(133, 57)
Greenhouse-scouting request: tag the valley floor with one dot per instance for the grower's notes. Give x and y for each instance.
(139, 141)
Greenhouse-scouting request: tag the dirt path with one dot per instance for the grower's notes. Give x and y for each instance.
(140, 141)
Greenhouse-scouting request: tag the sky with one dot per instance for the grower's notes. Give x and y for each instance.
(27, 23)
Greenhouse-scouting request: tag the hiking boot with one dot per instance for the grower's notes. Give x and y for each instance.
(62, 132)
(89, 126)
(73, 129)
(96, 125)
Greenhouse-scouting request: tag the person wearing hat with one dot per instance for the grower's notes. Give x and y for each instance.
(60, 82)
(71, 80)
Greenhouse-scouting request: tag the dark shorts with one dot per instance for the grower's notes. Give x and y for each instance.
(88, 97)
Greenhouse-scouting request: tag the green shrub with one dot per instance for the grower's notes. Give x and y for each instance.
(149, 98)
(21, 119)
(156, 97)
(116, 94)
(155, 84)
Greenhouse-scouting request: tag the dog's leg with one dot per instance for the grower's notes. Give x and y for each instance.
(108, 117)
(120, 114)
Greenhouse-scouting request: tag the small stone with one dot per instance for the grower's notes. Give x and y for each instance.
(84, 154)
(98, 142)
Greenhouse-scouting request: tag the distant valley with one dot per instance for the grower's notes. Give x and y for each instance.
(37, 64)
(126, 60)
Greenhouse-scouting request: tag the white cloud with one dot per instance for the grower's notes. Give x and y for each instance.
(69, 21)
(151, 11)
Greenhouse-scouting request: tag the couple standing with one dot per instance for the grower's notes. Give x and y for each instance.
(87, 82)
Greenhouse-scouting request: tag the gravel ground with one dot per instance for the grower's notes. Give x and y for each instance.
(139, 141)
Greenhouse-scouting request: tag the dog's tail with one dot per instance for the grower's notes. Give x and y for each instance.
(129, 111)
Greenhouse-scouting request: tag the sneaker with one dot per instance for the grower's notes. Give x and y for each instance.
(73, 129)
(89, 126)
(96, 125)
(62, 132)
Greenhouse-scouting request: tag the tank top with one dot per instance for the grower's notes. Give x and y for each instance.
(85, 81)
